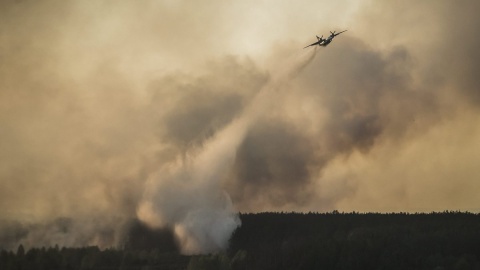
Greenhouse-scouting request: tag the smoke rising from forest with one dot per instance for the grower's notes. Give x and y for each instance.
(181, 114)
(188, 197)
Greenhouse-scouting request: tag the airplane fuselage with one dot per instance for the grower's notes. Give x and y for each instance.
(326, 42)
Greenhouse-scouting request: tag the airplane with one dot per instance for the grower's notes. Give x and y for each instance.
(319, 42)
(324, 42)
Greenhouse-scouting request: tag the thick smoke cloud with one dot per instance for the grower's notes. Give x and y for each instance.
(180, 114)
(272, 166)
(188, 196)
(197, 108)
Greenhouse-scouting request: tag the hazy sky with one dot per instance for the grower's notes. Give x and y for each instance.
(181, 113)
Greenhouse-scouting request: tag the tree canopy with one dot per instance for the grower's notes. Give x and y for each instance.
(447, 240)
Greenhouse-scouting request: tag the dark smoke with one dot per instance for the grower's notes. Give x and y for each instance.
(276, 164)
(272, 165)
(142, 237)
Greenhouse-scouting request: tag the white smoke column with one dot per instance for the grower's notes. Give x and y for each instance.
(188, 196)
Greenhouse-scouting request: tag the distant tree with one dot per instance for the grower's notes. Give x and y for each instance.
(20, 251)
(238, 261)
(209, 262)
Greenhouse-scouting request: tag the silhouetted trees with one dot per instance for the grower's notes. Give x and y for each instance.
(448, 240)
(336, 240)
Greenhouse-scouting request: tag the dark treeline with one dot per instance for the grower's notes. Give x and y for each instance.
(90, 258)
(448, 240)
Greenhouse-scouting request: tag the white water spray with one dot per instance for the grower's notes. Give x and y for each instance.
(188, 196)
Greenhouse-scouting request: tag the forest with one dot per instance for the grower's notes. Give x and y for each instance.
(447, 240)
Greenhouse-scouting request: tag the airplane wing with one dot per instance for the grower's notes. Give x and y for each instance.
(340, 32)
(316, 43)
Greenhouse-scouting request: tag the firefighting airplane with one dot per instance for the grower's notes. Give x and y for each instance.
(325, 41)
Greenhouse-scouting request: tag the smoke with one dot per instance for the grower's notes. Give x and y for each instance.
(68, 232)
(188, 196)
(63, 232)
(181, 114)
